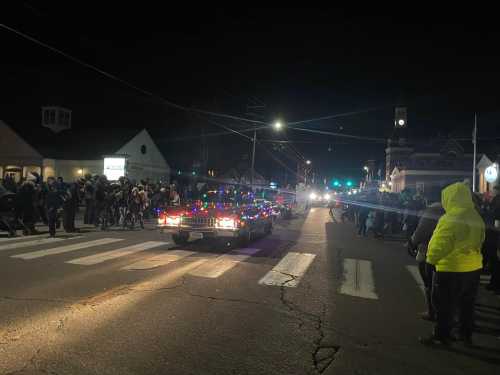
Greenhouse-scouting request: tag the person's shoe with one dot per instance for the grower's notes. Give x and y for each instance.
(434, 341)
(427, 316)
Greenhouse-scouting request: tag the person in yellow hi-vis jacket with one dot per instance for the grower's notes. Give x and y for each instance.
(455, 251)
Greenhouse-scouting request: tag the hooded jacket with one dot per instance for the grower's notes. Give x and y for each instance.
(425, 228)
(456, 243)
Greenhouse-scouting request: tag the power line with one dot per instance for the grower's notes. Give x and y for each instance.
(124, 82)
(383, 140)
(336, 116)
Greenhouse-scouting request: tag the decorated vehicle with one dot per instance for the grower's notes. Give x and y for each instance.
(217, 217)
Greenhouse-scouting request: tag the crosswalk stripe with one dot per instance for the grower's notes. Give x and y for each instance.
(10, 239)
(289, 271)
(358, 279)
(217, 267)
(66, 249)
(40, 241)
(416, 276)
(113, 254)
(159, 260)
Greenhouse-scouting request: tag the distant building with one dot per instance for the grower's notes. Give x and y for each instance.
(483, 185)
(235, 176)
(427, 167)
(55, 149)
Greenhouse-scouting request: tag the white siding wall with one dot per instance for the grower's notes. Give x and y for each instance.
(151, 164)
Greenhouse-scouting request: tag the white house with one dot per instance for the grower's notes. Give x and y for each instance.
(72, 154)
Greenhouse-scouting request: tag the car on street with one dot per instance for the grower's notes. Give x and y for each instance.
(231, 224)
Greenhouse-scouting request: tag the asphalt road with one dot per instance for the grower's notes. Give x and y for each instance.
(310, 298)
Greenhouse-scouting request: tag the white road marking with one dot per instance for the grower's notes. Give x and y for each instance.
(358, 279)
(113, 254)
(416, 275)
(215, 268)
(66, 249)
(159, 260)
(9, 239)
(40, 241)
(289, 271)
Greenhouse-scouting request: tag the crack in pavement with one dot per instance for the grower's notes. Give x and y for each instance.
(237, 300)
(322, 355)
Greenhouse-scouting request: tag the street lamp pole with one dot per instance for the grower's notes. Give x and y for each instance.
(252, 172)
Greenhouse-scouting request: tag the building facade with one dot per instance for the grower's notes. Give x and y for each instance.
(427, 167)
(73, 154)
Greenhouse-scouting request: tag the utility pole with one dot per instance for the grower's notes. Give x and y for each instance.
(474, 141)
(255, 111)
(252, 172)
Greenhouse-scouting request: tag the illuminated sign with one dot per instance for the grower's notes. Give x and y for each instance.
(114, 168)
(491, 173)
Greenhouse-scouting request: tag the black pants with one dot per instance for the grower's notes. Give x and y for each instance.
(490, 247)
(89, 217)
(52, 219)
(362, 225)
(454, 291)
(69, 216)
(426, 273)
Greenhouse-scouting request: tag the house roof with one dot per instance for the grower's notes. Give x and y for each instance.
(76, 144)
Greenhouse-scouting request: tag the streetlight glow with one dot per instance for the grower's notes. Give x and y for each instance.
(308, 162)
(278, 125)
(365, 168)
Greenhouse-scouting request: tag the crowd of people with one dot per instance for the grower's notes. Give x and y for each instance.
(55, 201)
(105, 204)
(454, 238)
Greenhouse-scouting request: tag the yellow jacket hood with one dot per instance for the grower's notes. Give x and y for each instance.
(456, 243)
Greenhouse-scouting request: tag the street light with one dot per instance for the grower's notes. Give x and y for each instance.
(365, 168)
(308, 162)
(278, 126)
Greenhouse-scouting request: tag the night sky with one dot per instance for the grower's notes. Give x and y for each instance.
(299, 63)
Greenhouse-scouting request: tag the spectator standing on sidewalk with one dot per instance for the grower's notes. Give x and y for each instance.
(455, 251)
(71, 199)
(490, 247)
(420, 240)
(88, 194)
(25, 203)
(53, 202)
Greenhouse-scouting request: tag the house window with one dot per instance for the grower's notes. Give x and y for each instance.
(49, 116)
(143, 149)
(52, 116)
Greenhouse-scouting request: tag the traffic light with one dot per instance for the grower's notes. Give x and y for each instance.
(349, 183)
(336, 183)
